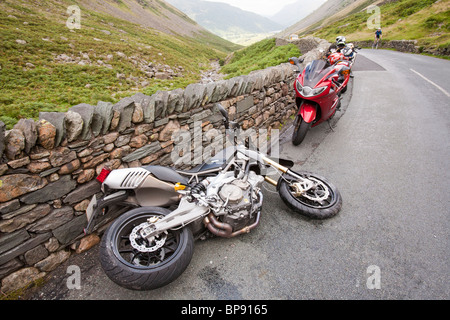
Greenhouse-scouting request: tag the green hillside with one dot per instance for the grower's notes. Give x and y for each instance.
(427, 21)
(260, 55)
(45, 66)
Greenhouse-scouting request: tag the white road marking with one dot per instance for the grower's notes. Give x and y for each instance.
(434, 84)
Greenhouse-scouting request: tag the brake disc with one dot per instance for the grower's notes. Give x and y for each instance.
(150, 244)
(313, 189)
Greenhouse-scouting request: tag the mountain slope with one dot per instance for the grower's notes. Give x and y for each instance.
(294, 12)
(155, 14)
(331, 10)
(227, 21)
(425, 21)
(45, 66)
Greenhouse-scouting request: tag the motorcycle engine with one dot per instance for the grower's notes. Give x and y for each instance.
(240, 197)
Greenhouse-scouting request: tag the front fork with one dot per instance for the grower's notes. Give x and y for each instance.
(302, 184)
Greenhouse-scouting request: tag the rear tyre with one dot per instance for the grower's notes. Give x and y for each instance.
(139, 264)
(300, 130)
(322, 201)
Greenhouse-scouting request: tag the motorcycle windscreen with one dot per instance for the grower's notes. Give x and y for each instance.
(314, 72)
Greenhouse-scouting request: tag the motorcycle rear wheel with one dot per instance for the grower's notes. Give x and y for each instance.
(300, 130)
(321, 202)
(138, 270)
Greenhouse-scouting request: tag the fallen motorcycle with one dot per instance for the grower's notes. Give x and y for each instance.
(318, 88)
(150, 246)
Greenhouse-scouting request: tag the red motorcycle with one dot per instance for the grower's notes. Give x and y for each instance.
(318, 89)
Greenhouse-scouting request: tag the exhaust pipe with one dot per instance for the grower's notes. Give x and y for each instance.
(224, 229)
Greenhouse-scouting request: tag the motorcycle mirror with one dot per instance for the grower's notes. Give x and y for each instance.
(296, 61)
(344, 71)
(224, 113)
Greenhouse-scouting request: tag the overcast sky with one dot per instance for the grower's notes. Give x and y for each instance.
(262, 7)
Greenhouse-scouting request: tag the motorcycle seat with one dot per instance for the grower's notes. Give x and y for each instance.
(166, 174)
(205, 167)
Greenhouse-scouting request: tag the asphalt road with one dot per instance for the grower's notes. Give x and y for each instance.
(389, 156)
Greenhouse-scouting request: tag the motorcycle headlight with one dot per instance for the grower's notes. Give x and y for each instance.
(299, 86)
(309, 92)
(317, 91)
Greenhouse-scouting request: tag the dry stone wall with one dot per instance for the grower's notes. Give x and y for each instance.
(48, 167)
(399, 45)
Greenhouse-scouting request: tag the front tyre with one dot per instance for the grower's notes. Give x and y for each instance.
(301, 128)
(314, 197)
(137, 263)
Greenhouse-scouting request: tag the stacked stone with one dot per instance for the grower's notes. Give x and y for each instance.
(399, 45)
(48, 167)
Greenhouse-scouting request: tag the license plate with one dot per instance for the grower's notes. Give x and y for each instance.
(90, 209)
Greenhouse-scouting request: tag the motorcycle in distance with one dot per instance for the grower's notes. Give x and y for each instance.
(150, 246)
(350, 52)
(318, 88)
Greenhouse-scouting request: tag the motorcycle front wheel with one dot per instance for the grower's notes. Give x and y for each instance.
(300, 130)
(137, 263)
(321, 201)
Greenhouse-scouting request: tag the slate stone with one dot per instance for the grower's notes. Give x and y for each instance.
(86, 111)
(9, 267)
(53, 220)
(160, 98)
(14, 143)
(57, 120)
(53, 261)
(73, 123)
(126, 108)
(29, 130)
(24, 247)
(19, 211)
(61, 155)
(216, 91)
(83, 192)
(35, 255)
(46, 134)
(175, 101)
(104, 111)
(48, 172)
(142, 152)
(245, 104)
(161, 122)
(52, 191)
(16, 185)
(71, 230)
(9, 206)
(11, 240)
(193, 96)
(149, 111)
